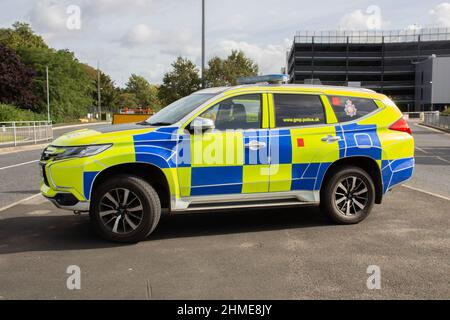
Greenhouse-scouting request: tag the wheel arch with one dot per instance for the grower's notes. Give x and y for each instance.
(367, 164)
(152, 174)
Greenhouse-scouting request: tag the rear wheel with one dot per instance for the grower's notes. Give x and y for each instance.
(125, 209)
(348, 196)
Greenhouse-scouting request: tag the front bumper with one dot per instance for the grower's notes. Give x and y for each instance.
(64, 200)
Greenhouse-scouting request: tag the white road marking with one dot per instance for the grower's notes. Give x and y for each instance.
(19, 202)
(421, 150)
(427, 192)
(442, 159)
(19, 164)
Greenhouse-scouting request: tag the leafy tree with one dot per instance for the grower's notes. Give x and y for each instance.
(127, 100)
(70, 86)
(21, 36)
(183, 80)
(156, 102)
(145, 93)
(215, 74)
(226, 72)
(16, 81)
(109, 92)
(238, 65)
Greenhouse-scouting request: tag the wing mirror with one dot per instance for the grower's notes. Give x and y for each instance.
(201, 125)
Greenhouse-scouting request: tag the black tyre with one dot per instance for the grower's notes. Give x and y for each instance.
(348, 196)
(125, 209)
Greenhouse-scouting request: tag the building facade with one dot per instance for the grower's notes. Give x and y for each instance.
(385, 61)
(433, 83)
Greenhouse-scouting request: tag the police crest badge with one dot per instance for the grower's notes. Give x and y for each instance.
(350, 108)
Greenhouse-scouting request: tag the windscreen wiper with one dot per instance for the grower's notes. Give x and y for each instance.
(155, 124)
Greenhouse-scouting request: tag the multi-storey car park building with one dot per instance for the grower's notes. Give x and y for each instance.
(390, 62)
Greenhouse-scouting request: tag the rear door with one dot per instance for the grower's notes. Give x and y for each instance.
(303, 144)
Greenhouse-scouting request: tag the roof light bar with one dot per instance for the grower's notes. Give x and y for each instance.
(271, 78)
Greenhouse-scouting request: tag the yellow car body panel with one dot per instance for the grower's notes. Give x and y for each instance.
(218, 162)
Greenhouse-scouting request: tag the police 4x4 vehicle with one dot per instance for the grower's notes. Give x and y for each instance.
(257, 145)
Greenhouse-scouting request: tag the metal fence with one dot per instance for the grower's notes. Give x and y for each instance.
(25, 132)
(437, 120)
(373, 36)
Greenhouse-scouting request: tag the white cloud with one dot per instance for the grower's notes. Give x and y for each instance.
(48, 16)
(94, 7)
(140, 34)
(270, 58)
(441, 14)
(371, 19)
(145, 36)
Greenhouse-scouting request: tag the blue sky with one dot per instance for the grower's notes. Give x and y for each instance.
(145, 36)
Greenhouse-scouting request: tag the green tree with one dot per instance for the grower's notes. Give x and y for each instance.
(127, 100)
(108, 89)
(226, 72)
(145, 93)
(70, 86)
(215, 74)
(21, 36)
(183, 80)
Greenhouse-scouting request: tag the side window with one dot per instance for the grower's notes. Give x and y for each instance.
(242, 112)
(292, 110)
(349, 108)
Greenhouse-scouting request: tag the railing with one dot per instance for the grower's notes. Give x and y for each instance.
(25, 132)
(437, 119)
(373, 36)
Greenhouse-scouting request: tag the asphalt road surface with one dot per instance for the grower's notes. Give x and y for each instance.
(257, 254)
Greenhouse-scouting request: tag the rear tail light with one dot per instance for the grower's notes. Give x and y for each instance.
(401, 125)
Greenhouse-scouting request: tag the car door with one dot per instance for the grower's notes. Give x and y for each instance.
(233, 158)
(302, 144)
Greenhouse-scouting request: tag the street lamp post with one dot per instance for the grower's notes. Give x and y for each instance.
(203, 43)
(99, 94)
(48, 94)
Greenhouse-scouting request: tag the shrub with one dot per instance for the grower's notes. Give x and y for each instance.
(12, 113)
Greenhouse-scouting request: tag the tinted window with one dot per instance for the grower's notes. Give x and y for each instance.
(292, 110)
(349, 108)
(242, 112)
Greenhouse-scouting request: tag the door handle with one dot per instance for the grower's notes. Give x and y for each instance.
(255, 145)
(331, 139)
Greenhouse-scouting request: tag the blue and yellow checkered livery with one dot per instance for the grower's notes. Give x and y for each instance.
(222, 163)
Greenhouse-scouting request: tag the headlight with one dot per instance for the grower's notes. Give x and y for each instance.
(59, 153)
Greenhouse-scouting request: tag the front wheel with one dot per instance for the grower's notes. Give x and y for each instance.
(125, 209)
(348, 196)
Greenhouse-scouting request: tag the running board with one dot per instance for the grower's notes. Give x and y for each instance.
(244, 205)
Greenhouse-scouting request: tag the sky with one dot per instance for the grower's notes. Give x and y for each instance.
(145, 36)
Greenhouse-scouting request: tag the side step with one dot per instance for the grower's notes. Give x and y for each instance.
(248, 204)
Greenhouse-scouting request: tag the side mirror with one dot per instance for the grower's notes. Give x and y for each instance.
(201, 125)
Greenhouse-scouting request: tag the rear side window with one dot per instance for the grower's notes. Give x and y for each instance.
(349, 108)
(293, 110)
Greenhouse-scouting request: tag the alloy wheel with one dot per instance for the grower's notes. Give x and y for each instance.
(121, 211)
(351, 195)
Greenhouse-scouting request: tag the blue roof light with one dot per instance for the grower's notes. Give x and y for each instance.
(271, 78)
